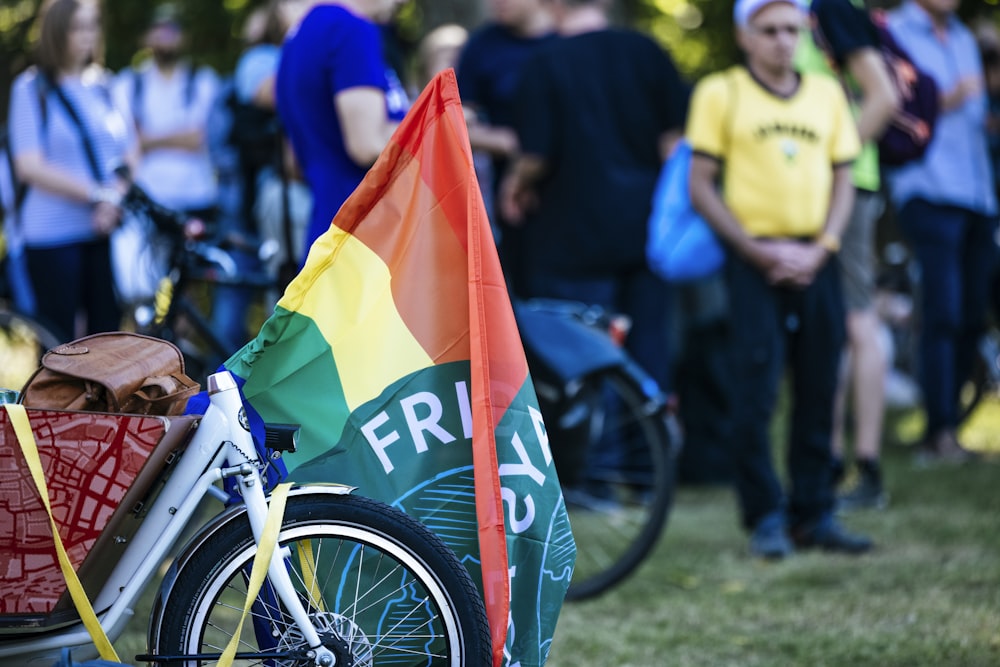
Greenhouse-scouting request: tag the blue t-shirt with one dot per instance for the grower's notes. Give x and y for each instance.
(49, 220)
(489, 68)
(488, 72)
(331, 51)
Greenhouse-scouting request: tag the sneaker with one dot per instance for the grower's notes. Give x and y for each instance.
(827, 535)
(867, 494)
(943, 448)
(769, 539)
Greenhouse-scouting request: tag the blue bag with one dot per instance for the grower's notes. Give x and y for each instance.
(66, 660)
(680, 246)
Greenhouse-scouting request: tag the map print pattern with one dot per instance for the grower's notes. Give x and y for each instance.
(89, 459)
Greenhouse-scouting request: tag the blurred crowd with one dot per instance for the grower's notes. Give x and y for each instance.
(571, 119)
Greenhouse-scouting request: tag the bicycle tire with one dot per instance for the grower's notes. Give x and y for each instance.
(430, 592)
(972, 392)
(23, 341)
(985, 376)
(618, 504)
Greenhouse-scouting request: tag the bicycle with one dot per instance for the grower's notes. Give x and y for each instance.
(351, 581)
(596, 399)
(612, 435)
(190, 259)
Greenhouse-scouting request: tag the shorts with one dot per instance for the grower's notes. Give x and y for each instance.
(857, 251)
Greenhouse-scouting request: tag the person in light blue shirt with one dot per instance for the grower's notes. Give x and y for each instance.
(947, 209)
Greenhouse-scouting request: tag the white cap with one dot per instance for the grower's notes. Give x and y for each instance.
(745, 9)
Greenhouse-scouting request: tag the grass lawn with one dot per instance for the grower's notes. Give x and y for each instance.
(928, 595)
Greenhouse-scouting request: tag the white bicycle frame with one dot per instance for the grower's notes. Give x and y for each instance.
(220, 448)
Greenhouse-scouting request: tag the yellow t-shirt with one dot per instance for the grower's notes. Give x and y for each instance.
(777, 153)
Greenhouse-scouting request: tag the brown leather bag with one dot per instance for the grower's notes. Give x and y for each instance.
(112, 372)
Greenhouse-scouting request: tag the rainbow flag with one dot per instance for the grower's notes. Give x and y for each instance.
(396, 350)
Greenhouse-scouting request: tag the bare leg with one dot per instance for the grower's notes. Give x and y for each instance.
(840, 400)
(868, 362)
(868, 369)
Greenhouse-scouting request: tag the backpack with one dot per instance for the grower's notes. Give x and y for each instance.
(912, 128)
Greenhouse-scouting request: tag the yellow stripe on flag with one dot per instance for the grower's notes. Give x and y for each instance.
(347, 292)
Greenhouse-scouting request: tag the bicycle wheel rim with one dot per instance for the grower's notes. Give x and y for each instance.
(425, 625)
(617, 507)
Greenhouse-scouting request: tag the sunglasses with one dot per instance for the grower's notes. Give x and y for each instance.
(773, 31)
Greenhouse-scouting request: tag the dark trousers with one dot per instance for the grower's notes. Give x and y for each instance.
(702, 378)
(773, 327)
(71, 278)
(956, 251)
(639, 293)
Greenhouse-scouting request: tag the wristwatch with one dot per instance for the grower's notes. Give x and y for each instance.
(105, 195)
(829, 242)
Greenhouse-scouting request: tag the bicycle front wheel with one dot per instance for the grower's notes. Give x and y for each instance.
(613, 453)
(380, 588)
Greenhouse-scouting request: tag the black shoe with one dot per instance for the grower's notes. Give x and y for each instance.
(867, 494)
(943, 448)
(828, 535)
(769, 540)
(837, 471)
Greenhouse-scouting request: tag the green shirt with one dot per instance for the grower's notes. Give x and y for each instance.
(810, 58)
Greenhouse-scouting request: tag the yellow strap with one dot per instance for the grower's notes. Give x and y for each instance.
(261, 560)
(307, 561)
(25, 438)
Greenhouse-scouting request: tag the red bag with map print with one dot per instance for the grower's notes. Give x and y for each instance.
(101, 470)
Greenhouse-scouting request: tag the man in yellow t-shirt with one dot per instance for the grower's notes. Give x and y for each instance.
(780, 144)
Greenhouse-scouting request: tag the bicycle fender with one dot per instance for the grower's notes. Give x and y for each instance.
(235, 512)
(566, 348)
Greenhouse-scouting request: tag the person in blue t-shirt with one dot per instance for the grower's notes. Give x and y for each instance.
(338, 100)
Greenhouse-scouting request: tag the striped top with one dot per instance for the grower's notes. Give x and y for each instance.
(50, 220)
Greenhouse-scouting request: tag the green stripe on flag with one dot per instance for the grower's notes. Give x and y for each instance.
(296, 382)
(420, 425)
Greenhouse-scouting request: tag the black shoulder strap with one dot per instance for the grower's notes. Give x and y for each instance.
(14, 182)
(42, 90)
(137, 87)
(88, 144)
(189, 86)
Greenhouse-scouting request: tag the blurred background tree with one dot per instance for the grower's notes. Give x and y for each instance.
(698, 33)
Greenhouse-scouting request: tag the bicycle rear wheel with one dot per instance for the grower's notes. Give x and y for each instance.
(985, 377)
(613, 453)
(23, 341)
(380, 587)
